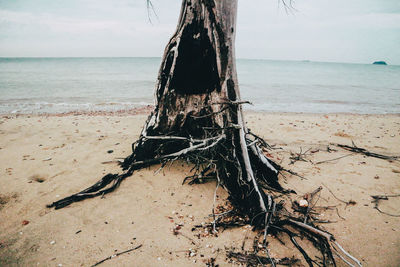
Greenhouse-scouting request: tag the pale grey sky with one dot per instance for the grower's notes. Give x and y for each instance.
(360, 31)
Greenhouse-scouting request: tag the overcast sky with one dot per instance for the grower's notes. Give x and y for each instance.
(360, 31)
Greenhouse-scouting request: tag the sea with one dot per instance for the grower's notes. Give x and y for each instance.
(58, 85)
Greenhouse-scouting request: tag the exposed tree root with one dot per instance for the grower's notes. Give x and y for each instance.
(212, 158)
(114, 180)
(208, 156)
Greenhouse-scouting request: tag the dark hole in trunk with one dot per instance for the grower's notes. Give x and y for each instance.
(196, 67)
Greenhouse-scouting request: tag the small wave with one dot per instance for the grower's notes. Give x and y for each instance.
(48, 107)
(340, 102)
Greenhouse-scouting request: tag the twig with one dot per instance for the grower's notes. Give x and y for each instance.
(110, 162)
(210, 114)
(329, 237)
(310, 198)
(262, 141)
(213, 208)
(343, 258)
(383, 197)
(229, 102)
(319, 162)
(298, 156)
(190, 239)
(246, 236)
(255, 260)
(350, 202)
(116, 255)
(365, 152)
(314, 230)
(150, 8)
(337, 211)
(347, 254)
(293, 173)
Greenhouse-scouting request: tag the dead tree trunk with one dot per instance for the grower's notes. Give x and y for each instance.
(197, 98)
(198, 118)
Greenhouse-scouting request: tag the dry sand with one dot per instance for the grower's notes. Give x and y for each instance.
(44, 158)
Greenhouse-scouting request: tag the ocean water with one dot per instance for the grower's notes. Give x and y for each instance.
(52, 85)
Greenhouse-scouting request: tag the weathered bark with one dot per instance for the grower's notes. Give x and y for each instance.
(198, 72)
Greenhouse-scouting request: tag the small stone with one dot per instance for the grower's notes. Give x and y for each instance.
(159, 258)
(303, 203)
(110, 151)
(52, 242)
(192, 254)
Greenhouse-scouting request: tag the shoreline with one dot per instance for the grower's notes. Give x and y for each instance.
(149, 108)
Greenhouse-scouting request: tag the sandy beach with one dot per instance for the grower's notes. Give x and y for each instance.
(45, 158)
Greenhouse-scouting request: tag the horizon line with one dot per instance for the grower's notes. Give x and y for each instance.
(239, 58)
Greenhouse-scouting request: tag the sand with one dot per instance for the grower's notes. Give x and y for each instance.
(44, 158)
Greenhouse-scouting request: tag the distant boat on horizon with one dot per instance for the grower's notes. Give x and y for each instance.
(379, 63)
